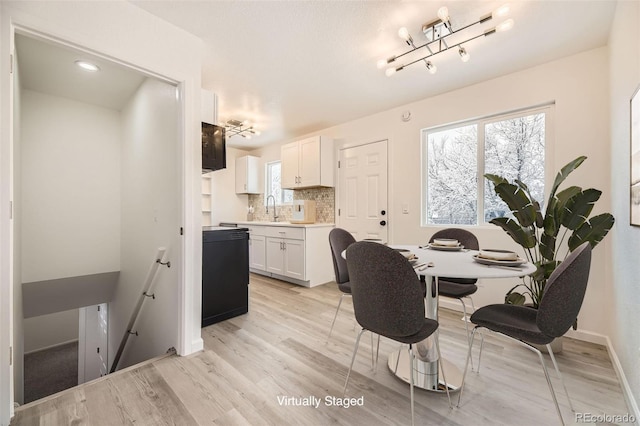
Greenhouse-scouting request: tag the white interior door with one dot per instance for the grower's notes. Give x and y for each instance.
(92, 342)
(362, 200)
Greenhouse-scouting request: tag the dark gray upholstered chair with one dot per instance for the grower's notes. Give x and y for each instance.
(459, 288)
(557, 312)
(339, 240)
(388, 300)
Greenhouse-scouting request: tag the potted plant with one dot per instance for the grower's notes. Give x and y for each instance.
(566, 216)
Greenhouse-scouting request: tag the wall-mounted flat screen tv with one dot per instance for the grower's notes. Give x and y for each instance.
(214, 152)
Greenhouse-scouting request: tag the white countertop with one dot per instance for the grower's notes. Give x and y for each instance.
(288, 224)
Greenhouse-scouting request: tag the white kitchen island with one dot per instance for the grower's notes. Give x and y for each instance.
(297, 253)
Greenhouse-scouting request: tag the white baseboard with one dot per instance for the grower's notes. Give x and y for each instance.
(51, 346)
(632, 404)
(587, 336)
(196, 345)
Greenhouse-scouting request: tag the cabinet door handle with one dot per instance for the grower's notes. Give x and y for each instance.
(284, 246)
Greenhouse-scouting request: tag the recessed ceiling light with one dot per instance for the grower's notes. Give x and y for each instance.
(88, 66)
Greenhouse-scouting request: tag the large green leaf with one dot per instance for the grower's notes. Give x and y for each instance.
(518, 202)
(514, 298)
(539, 221)
(578, 208)
(523, 236)
(560, 204)
(593, 231)
(564, 172)
(551, 223)
(495, 179)
(547, 245)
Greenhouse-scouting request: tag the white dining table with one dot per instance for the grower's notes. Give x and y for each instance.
(452, 264)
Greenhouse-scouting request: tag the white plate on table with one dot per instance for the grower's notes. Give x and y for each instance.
(433, 246)
(485, 261)
(406, 253)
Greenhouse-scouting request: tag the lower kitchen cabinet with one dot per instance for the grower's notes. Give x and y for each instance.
(296, 253)
(286, 257)
(257, 252)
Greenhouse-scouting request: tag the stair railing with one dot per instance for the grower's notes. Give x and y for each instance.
(146, 293)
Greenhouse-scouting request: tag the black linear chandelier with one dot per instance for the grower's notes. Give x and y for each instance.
(242, 128)
(437, 33)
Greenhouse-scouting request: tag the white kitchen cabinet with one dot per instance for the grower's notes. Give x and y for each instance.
(257, 249)
(257, 252)
(286, 257)
(247, 175)
(307, 163)
(297, 253)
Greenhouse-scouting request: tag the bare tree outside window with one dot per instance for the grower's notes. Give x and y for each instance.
(457, 157)
(273, 186)
(514, 149)
(452, 176)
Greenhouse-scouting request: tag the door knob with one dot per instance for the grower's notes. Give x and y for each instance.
(383, 212)
(383, 222)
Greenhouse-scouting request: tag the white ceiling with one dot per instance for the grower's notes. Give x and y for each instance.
(295, 67)
(50, 68)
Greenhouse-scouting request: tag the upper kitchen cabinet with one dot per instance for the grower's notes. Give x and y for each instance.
(247, 175)
(307, 163)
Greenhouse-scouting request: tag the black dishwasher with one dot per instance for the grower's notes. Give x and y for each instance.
(225, 273)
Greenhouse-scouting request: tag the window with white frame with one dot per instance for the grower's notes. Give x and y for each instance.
(456, 158)
(273, 179)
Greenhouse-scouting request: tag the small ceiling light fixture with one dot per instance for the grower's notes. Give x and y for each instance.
(242, 128)
(437, 33)
(87, 66)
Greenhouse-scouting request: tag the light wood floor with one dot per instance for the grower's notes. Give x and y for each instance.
(280, 349)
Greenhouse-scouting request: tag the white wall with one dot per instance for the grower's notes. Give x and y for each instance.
(18, 323)
(150, 218)
(70, 201)
(50, 330)
(126, 33)
(624, 69)
(70, 188)
(579, 87)
(226, 205)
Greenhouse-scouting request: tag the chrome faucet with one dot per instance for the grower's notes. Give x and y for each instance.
(275, 216)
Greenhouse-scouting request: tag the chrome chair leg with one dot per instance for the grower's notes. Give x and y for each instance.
(373, 362)
(335, 316)
(473, 308)
(480, 353)
(353, 357)
(375, 367)
(466, 325)
(411, 382)
(466, 366)
(395, 371)
(546, 375)
(555, 364)
(444, 377)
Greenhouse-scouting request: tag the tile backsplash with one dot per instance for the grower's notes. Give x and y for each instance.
(325, 205)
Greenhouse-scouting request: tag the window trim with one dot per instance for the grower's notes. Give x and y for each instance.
(481, 122)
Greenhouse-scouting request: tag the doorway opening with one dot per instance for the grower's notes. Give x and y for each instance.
(97, 189)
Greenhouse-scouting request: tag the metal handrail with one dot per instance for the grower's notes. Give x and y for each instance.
(146, 292)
